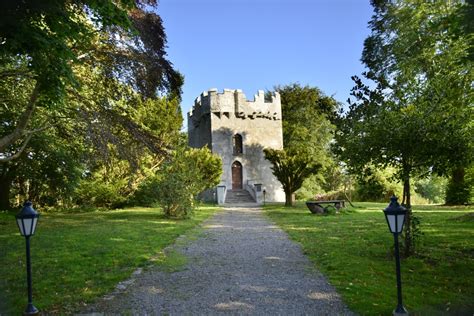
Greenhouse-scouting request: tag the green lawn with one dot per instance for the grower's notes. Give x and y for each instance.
(77, 257)
(353, 251)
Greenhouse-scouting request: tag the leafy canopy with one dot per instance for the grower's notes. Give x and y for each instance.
(70, 50)
(416, 115)
(306, 135)
(88, 75)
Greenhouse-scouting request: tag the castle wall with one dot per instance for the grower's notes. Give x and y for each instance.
(199, 134)
(217, 117)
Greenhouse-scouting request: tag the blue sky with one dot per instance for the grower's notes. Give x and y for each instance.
(257, 44)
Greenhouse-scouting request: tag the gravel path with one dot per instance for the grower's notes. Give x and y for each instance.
(243, 264)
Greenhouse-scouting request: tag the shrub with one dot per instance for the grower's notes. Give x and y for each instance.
(100, 193)
(333, 195)
(311, 186)
(432, 188)
(187, 173)
(377, 185)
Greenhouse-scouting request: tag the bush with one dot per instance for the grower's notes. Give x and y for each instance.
(377, 185)
(186, 174)
(432, 188)
(330, 180)
(99, 193)
(311, 186)
(334, 195)
(147, 192)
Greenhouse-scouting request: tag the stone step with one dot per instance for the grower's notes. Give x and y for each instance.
(238, 196)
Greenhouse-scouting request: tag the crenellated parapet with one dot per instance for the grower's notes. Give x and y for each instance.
(238, 130)
(234, 104)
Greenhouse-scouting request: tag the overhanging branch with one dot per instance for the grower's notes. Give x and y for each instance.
(19, 152)
(25, 117)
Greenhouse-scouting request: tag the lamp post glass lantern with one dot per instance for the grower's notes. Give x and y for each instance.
(395, 215)
(26, 220)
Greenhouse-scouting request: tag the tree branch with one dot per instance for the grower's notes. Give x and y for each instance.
(19, 152)
(25, 117)
(15, 73)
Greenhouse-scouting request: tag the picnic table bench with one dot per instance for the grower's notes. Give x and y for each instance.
(317, 207)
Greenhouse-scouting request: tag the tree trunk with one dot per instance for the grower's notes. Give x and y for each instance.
(5, 186)
(288, 198)
(406, 192)
(457, 191)
(19, 131)
(409, 241)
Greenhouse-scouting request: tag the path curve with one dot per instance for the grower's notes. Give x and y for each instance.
(242, 264)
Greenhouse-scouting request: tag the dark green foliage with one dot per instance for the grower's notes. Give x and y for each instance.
(376, 185)
(333, 178)
(417, 117)
(100, 190)
(370, 190)
(120, 165)
(55, 34)
(411, 236)
(306, 134)
(291, 169)
(460, 187)
(147, 192)
(64, 49)
(306, 112)
(329, 181)
(47, 171)
(432, 188)
(188, 172)
(91, 75)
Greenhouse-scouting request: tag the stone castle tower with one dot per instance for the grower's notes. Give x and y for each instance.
(238, 130)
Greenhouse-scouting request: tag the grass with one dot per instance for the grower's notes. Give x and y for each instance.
(78, 257)
(354, 251)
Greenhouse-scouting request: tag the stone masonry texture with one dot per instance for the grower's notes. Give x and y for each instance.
(217, 117)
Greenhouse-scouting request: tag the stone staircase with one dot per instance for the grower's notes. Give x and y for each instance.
(238, 197)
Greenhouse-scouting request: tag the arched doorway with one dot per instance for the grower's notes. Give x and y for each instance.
(236, 176)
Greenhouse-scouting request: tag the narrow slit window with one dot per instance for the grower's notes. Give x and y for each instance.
(237, 144)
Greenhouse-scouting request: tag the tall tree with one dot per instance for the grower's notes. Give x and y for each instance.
(291, 168)
(306, 135)
(45, 42)
(417, 116)
(117, 163)
(424, 52)
(90, 66)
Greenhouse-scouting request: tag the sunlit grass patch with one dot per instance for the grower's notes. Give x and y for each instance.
(77, 257)
(353, 249)
(170, 261)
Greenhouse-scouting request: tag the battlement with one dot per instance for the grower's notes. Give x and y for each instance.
(233, 102)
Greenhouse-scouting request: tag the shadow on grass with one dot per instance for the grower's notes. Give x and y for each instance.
(354, 251)
(78, 257)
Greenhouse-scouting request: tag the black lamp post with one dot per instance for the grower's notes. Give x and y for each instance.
(264, 193)
(395, 216)
(26, 221)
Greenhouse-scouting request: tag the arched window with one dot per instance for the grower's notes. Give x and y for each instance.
(237, 144)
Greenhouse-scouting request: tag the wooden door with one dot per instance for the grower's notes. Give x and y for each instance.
(236, 176)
